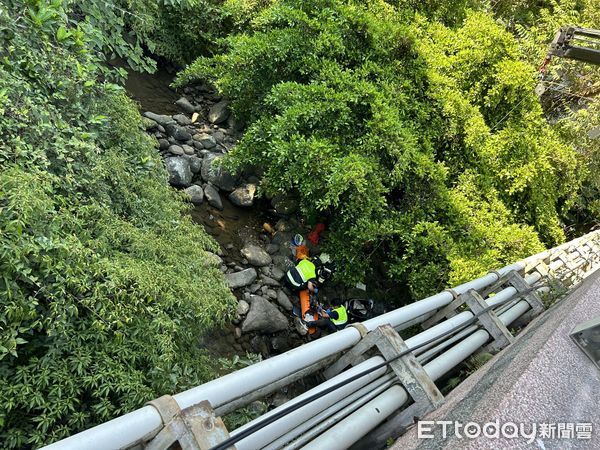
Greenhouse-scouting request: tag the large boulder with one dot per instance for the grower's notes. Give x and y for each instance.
(208, 171)
(256, 255)
(195, 163)
(159, 118)
(196, 194)
(163, 144)
(268, 281)
(176, 150)
(213, 197)
(243, 196)
(182, 119)
(219, 136)
(185, 105)
(219, 112)
(212, 172)
(205, 140)
(177, 132)
(187, 149)
(283, 262)
(250, 298)
(284, 301)
(277, 273)
(264, 317)
(240, 279)
(272, 248)
(179, 170)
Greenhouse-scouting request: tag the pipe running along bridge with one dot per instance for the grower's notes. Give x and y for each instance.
(374, 380)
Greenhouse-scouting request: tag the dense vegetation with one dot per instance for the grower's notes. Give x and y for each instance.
(105, 288)
(416, 134)
(412, 128)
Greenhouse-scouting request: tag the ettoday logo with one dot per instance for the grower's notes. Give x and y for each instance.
(428, 429)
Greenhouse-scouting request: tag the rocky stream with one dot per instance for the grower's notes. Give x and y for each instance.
(194, 130)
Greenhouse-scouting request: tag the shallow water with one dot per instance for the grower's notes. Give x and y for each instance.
(152, 91)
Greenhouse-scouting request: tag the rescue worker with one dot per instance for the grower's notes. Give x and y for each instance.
(303, 276)
(332, 319)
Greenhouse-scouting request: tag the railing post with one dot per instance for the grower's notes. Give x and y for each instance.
(502, 337)
(409, 371)
(446, 312)
(527, 293)
(194, 428)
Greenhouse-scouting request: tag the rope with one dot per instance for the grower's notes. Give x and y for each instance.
(507, 114)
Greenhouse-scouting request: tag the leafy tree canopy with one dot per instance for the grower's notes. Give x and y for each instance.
(105, 286)
(424, 145)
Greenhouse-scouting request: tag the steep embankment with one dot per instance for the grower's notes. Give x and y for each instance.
(106, 286)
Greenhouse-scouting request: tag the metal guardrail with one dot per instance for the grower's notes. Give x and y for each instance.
(348, 412)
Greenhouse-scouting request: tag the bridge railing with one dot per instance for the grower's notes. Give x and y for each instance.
(346, 409)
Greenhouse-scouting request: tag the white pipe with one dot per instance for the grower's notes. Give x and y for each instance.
(348, 431)
(429, 354)
(401, 315)
(343, 407)
(437, 331)
(514, 313)
(359, 423)
(119, 433)
(410, 323)
(274, 430)
(331, 421)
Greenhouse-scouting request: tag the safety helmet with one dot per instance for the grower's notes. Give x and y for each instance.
(325, 272)
(325, 258)
(298, 240)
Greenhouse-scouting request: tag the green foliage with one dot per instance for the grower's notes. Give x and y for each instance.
(178, 30)
(182, 30)
(484, 233)
(448, 12)
(425, 246)
(571, 95)
(106, 287)
(472, 365)
(502, 125)
(241, 12)
(371, 114)
(242, 416)
(579, 127)
(256, 409)
(237, 362)
(105, 26)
